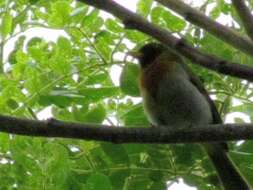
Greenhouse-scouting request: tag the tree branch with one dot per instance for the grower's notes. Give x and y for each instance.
(245, 16)
(55, 128)
(218, 30)
(134, 21)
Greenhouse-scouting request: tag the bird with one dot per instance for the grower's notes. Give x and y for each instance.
(175, 98)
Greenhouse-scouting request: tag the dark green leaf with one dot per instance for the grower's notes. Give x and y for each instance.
(12, 104)
(116, 153)
(98, 181)
(158, 186)
(119, 178)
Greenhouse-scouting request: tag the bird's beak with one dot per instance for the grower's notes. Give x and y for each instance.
(135, 54)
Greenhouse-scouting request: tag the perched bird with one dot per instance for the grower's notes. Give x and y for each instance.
(174, 97)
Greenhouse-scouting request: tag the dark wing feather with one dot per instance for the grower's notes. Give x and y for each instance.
(199, 85)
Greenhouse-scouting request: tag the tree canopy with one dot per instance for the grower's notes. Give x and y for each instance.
(85, 75)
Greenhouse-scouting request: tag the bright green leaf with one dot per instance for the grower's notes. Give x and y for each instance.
(165, 18)
(135, 116)
(96, 94)
(113, 26)
(129, 80)
(92, 22)
(144, 7)
(60, 13)
(245, 108)
(6, 25)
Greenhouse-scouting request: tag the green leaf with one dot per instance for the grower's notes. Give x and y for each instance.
(92, 22)
(113, 26)
(103, 40)
(186, 155)
(79, 11)
(97, 79)
(245, 147)
(173, 22)
(135, 149)
(158, 186)
(141, 183)
(119, 178)
(209, 44)
(6, 26)
(95, 94)
(60, 13)
(34, 81)
(64, 45)
(215, 13)
(98, 181)
(21, 60)
(35, 41)
(135, 116)
(156, 15)
(61, 100)
(243, 159)
(165, 18)
(60, 60)
(12, 103)
(144, 7)
(95, 115)
(129, 80)
(246, 108)
(136, 36)
(12, 58)
(116, 153)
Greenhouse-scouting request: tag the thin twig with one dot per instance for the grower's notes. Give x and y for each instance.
(245, 16)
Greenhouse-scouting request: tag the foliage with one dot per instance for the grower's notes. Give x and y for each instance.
(72, 77)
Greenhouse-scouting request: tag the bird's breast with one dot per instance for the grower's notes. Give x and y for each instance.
(152, 76)
(171, 99)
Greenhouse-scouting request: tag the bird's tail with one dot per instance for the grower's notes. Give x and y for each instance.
(227, 172)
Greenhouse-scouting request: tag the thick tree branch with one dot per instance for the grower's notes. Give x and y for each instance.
(55, 128)
(220, 31)
(245, 15)
(134, 21)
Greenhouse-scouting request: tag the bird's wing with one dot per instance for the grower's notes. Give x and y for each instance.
(199, 85)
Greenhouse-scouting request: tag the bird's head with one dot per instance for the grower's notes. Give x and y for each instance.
(149, 52)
